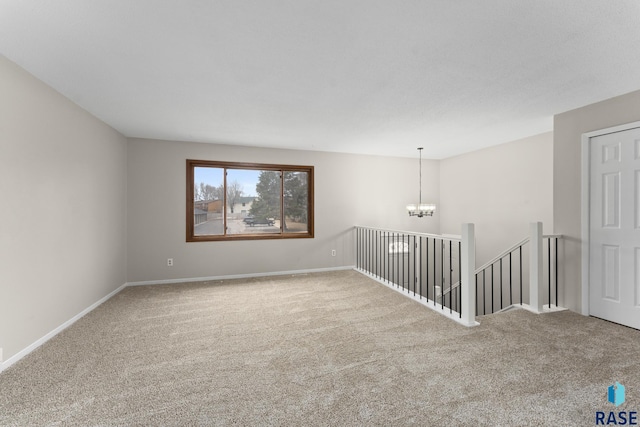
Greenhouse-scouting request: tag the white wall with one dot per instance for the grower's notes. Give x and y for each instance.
(62, 216)
(501, 190)
(567, 170)
(349, 190)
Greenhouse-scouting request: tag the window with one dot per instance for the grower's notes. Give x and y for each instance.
(240, 201)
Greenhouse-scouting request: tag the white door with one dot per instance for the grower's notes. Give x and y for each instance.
(614, 250)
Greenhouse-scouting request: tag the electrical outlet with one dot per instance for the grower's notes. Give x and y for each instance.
(1, 359)
(169, 262)
(333, 252)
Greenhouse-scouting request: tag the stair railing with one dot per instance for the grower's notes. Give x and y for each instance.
(526, 285)
(421, 265)
(510, 260)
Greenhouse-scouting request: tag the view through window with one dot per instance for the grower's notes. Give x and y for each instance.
(227, 201)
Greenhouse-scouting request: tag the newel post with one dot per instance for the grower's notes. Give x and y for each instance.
(536, 289)
(467, 279)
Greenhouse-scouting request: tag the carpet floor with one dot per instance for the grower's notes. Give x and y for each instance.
(329, 349)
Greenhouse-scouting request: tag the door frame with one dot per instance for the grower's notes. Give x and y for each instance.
(586, 203)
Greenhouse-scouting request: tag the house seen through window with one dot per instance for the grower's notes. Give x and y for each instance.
(233, 201)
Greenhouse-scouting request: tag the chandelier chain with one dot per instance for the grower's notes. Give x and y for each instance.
(420, 196)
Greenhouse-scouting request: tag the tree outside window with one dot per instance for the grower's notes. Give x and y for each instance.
(279, 199)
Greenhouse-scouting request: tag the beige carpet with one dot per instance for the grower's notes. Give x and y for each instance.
(321, 349)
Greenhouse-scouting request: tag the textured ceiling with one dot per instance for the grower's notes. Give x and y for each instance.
(360, 76)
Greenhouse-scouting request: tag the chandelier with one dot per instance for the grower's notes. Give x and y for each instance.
(421, 209)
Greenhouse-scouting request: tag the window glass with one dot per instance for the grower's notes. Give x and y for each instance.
(208, 201)
(235, 201)
(259, 190)
(296, 202)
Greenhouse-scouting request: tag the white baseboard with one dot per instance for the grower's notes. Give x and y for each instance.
(239, 276)
(13, 359)
(545, 308)
(4, 365)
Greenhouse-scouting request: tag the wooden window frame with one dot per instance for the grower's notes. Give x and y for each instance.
(192, 164)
